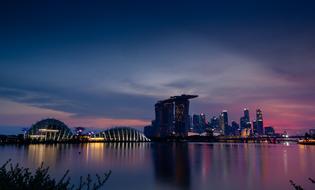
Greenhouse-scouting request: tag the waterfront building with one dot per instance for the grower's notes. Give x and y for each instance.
(260, 124)
(164, 117)
(182, 114)
(171, 117)
(242, 123)
(245, 120)
(312, 132)
(269, 131)
(235, 128)
(255, 127)
(214, 122)
(121, 134)
(246, 115)
(196, 123)
(199, 123)
(49, 130)
(79, 130)
(149, 130)
(221, 123)
(245, 132)
(224, 122)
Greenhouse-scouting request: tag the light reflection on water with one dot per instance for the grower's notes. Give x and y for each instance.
(175, 165)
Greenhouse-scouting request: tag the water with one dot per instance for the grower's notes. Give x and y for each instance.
(176, 165)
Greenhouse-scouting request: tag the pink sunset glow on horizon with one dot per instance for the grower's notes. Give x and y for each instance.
(281, 117)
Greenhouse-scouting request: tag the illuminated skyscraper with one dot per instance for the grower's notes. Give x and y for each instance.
(199, 122)
(245, 120)
(171, 117)
(224, 122)
(235, 128)
(182, 114)
(260, 123)
(255, 127)
(167, 119)
(246, 115)
(214, 123)
(259, 115)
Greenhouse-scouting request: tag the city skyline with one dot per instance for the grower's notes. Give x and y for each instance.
(105, 64)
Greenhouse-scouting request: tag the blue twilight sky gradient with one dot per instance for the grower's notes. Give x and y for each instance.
(105, 63)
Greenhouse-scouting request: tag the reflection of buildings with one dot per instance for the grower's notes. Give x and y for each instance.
(171, 117)
(125, 155)
(49, 154)
(88, 156)
(171, 164)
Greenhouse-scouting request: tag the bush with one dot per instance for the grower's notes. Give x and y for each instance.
(19, 178)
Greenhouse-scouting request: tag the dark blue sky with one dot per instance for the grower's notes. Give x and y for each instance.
(105, 63)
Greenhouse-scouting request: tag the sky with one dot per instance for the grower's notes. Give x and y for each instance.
(100, 64)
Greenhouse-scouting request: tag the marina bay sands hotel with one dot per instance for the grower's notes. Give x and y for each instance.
(170, 122)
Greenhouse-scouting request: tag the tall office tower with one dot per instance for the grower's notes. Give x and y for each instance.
(221, 123)
(225, 117)
(196, 122)
(191, 126)
(255, 127)
(203, 119)
(214, 122)
(169, 120)
(164, 117)
(235, 128)
(168, 117)
(243, 123)
(155, 132)
(224, 122)
(259, 115)
(245, 120)
(182, 114)
(199, 122)
(246, 115)
(260, 123)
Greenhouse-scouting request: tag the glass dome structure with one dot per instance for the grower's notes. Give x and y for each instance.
(49, 130)
(123, 134)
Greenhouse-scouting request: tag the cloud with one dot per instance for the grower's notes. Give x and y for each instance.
(106, 69)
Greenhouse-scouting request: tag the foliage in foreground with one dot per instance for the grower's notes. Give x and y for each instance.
(19, 178)
(298, 187)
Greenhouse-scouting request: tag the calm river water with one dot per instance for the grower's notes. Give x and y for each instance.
(175, 165)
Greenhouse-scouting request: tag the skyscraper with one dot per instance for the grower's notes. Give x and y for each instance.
(255, 131)
(270, 131)
(260, 123)
(214, 123)
(196, 122)
(224, 122)
(235, 128)
(243, 123)
(181, 117)
(246, 115)
(171, 116)
(245, 120)
(199, 122)
(164, 117)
